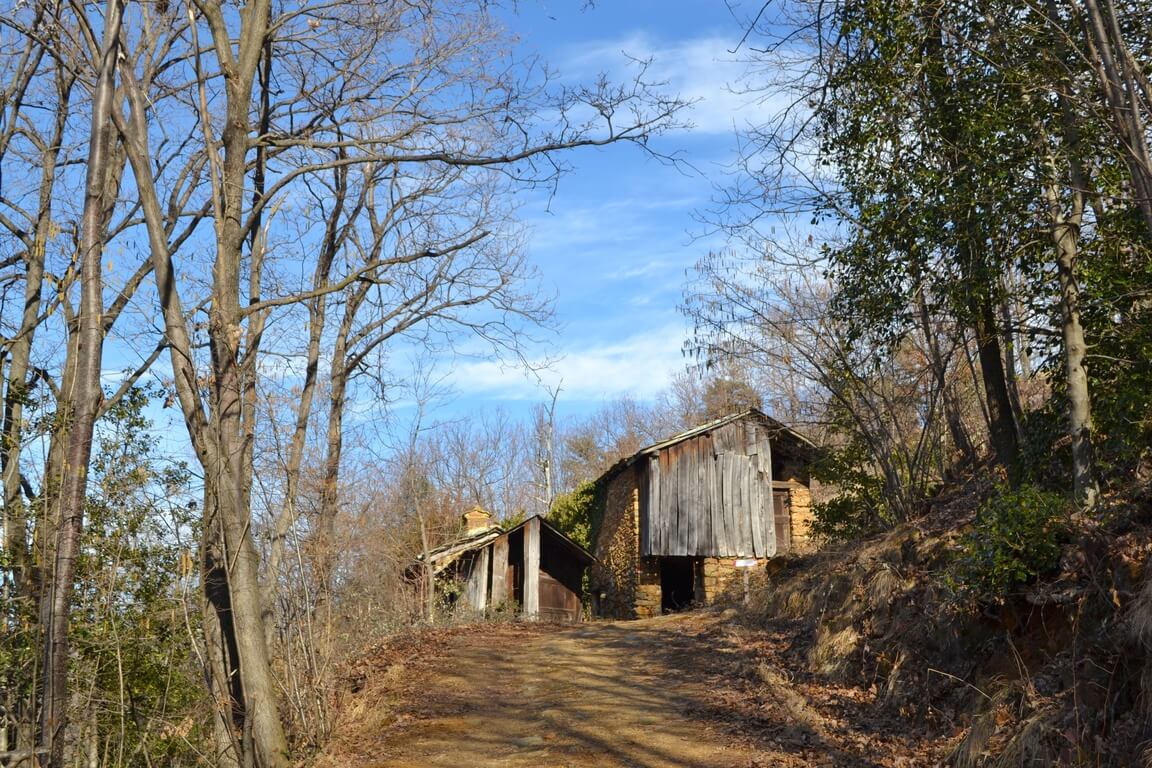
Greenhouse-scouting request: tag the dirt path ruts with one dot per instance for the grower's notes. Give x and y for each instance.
(670, 692)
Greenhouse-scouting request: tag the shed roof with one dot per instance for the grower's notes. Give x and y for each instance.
(443, 556)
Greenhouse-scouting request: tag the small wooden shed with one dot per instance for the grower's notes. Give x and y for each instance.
(533, 565)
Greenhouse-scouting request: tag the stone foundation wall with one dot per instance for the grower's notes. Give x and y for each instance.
(614, 579)
(649, 595)
(722, 578)
(800, 500)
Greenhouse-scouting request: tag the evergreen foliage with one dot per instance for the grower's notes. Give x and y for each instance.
(1017, 538)
(575, 513)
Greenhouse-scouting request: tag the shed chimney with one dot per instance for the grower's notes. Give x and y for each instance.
(477, 520)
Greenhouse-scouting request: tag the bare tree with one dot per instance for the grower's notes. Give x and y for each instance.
(773, 314)
(84, 401)
(446, 103)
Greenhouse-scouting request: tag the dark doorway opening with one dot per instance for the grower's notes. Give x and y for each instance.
(677, 583)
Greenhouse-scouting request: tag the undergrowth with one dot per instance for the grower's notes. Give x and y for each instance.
(1017, 537)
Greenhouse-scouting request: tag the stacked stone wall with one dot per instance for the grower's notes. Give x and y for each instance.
(723, 580)
(800, 502)
(615, 576)
(649, 595)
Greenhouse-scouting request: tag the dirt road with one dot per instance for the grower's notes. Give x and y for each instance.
(672, 692)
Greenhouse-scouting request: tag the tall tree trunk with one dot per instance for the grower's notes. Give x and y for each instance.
(84, 402)
(980, 279)
(1065, 230)
(337, 398)
(1126, 91)
(241, 676)
(1002, 417)
(227, 468)
(952, 416)
(19, 379)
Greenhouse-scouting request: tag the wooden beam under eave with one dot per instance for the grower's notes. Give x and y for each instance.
(532, 568)
(499, 571)
(481, 572)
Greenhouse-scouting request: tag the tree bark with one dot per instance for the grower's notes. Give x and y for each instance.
(1126, 91)
(84, 403)
(1065, 229)
(1004, 431)
(1065, 232)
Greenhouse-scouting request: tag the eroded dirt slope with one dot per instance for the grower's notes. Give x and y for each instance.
(682, 691)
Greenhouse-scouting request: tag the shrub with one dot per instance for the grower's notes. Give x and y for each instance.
(859, 507)
(1017, 537)
(574, 513)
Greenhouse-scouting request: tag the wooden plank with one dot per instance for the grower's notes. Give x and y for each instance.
(764, 520)
(481, 570)
(650, 514)
(782, 516)
(685, 467)
(557, 602)
(656, 511)
(757, 519)
(747, 546)
(703, 449)
(771, 547)
(707, 543)
(500, 570)
(733, 513)
(531, 606)
(723, 535)
(677, 467)
(700, 457)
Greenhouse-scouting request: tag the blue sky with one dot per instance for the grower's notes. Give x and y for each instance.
(615, 243)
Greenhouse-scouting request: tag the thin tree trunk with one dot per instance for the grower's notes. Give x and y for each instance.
(1126, 93)
(334, 236)
(19, 381)
(329, 492)
(981, 281)
(1065, 237)
(1002, 418)
(85, 400)
(1065, 231)
(241, 676)
(952, 417)
(269, 746)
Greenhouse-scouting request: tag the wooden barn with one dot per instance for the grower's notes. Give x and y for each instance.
(532, 565)
(678, 517)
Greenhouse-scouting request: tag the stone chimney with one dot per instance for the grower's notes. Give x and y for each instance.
(477, 520)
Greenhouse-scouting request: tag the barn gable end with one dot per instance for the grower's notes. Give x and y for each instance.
(677, 515)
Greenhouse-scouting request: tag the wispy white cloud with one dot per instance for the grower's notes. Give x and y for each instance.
(728, 92)
(640, 365)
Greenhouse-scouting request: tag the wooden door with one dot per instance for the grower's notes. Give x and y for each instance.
(557, 602)
(782, 517)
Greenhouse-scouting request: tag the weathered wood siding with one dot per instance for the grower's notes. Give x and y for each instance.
(531, 605)
(711, 495)
(500, 571)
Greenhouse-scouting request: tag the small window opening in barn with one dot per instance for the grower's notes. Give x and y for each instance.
(677, 583)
